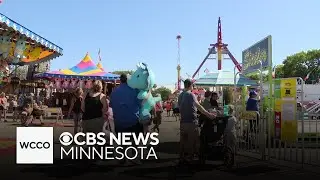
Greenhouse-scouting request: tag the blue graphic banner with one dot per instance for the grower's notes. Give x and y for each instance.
(252, 56)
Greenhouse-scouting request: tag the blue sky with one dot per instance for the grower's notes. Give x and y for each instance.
(130, 31)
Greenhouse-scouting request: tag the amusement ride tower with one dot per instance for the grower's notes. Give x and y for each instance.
(178, 62)
(219, 48)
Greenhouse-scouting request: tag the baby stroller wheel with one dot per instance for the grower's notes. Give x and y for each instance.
(228, 158)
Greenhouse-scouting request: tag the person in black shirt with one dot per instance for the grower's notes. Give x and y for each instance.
(214, 100)
(75, 107)
(94, 106)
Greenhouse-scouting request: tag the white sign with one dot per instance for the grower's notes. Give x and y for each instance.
(34, 145)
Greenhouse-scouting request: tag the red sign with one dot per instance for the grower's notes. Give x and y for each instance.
(277, 125)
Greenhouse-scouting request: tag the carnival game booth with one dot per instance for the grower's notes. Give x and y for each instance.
(21, 46)
(81, 75)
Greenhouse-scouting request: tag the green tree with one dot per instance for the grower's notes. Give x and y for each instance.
(123, 72)
(302, 63)
(279, 71)
(163, 91)
(256, 76)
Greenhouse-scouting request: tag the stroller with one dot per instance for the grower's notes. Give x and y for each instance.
(212, 143)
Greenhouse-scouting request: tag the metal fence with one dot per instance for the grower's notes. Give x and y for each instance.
(256, 135)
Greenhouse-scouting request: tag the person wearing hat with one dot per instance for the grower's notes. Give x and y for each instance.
(253, 105)
(189, 129)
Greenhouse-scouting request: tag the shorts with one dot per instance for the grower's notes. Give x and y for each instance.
(176, 111)
(93, 125)
(189, 138)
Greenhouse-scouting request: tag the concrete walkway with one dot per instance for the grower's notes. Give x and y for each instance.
(163, 168)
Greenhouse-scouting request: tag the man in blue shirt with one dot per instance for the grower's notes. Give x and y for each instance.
(125, 106)
(252, 103)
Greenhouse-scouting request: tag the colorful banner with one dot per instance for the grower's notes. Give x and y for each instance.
(252, 56)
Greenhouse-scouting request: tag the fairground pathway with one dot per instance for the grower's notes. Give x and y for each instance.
(163, 168)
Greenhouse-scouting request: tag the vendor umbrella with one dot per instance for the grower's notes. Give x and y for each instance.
(224, 78)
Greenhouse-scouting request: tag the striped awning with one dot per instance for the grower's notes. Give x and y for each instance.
(37, 48)
(85, 69)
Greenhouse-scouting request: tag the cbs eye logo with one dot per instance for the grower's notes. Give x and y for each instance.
(66, 138)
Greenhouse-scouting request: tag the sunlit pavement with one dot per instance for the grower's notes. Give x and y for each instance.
(163, 168)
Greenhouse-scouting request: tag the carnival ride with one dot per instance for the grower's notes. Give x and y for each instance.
(178, 62)
(21, 46)
(219, 49)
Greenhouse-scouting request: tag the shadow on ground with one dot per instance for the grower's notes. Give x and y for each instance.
(252, 170)
(71, 168)
(66, 169)
(169, 172)
(168, 147)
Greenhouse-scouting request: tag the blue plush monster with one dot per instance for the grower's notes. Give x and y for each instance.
(143, 80)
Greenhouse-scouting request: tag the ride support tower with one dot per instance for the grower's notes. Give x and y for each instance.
(219, 49)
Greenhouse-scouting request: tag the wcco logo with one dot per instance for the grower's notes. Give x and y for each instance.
(34, 145)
